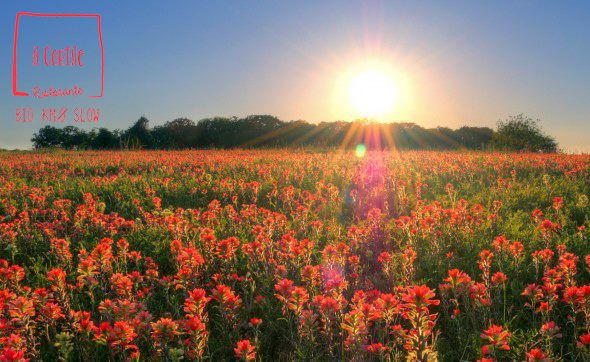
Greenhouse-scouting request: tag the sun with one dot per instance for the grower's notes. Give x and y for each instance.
(378, 89)
(372, 93)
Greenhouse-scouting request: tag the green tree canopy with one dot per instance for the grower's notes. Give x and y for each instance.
(522, 133)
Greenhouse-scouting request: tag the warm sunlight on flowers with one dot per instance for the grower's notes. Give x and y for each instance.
(289, 254)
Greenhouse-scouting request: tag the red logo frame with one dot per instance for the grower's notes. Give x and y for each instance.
(15, 90)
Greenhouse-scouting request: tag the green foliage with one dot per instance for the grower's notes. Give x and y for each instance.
(522, 133)
(105, 139)
(138, 135)
(263, 131)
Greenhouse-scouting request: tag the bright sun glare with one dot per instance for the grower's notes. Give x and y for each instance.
(372, 93)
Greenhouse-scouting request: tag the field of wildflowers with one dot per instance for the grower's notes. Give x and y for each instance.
(294, 255)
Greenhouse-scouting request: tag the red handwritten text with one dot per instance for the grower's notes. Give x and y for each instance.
(53, 92)
(68, 56)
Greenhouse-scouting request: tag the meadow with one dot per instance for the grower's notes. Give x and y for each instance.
(273, 255)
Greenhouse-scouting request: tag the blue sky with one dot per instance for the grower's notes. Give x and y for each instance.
(468, 62)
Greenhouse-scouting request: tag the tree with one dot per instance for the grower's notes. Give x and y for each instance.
(179, 133)
(522, 133)
(138, 135)
(105, 139)
(516, 133)
(474, 137)
(48, 136)
(75, 138)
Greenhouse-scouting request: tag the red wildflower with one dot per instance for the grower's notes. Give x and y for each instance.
(10, 355)
(535, 355)
(550, 329)
(420, 296)
(284, 287)
(195, 304)
(245, 351)
(228, 300)
(499, 278)
(584, 341)
(497, 337)
(197, 337)
(457, 277)
(164, 330)
(255, 322)
(375, 348)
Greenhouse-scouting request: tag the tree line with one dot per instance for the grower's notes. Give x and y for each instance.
(518, 133)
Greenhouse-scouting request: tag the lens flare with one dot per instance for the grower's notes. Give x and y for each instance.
(360, 150)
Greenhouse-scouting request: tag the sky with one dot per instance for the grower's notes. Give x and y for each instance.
(453, 63)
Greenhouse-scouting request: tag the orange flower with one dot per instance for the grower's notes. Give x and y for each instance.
(245, 351)
(375, 348)
(497, 337)
(164, 330)
(457, 278)
(255, 322)
(535, 355)
(195, 304)
(420, 296)
(10, 355)
(21, 308)
(499, 278)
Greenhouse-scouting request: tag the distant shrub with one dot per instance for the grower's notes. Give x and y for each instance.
(522, 133)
